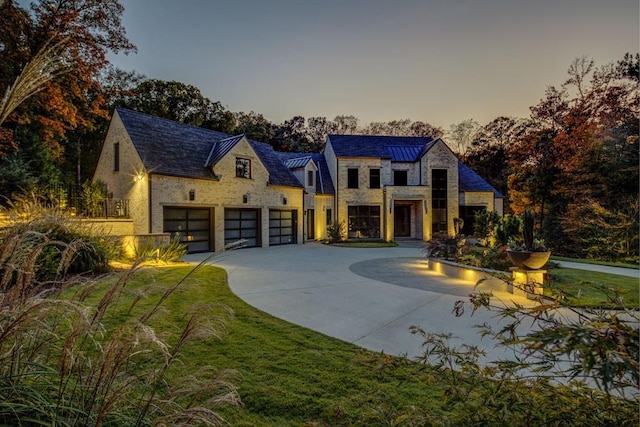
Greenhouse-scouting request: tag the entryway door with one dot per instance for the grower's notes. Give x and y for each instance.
(402, 221)
(311, 224)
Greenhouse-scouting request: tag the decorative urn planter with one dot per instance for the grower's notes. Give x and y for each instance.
(528, 260)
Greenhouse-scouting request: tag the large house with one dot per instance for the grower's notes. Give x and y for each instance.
(211, 189)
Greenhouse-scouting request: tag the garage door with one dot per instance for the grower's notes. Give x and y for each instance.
(282, 227)
(191, 226)
(242, 224)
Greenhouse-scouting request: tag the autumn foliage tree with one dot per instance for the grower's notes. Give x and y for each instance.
(577, 162)
(68, 106)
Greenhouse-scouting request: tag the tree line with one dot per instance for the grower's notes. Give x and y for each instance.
(574, 160)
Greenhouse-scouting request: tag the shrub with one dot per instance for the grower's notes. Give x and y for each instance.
(54, 240)
(336, 231)
(444, 246)
(64, 361)
(570, 367)
(147, 249)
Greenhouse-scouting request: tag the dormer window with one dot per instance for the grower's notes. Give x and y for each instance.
(310, 178)
(243, 168)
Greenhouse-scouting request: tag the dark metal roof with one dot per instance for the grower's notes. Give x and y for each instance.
(171, 148)
(221, 148)
(469, 180)
(299, 162)
(376, 146)
(404, 153)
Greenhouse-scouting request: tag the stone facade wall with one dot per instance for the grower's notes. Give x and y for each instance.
(441, 157)
(130, 182)
(112, 227)
(363, 195)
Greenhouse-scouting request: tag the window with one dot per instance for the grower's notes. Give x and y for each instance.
(329, 217)
(364, 222)
(439, 200)
(352, 178)
(116, 157)
(400, 178)
(243, 168)
(374, 178)
(310, 178)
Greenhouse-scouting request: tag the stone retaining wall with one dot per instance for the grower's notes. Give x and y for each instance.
(472, 274)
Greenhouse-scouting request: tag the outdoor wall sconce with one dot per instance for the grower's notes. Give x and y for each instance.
(245, 198)
(138, 177)
(192, 194)
(284, 200)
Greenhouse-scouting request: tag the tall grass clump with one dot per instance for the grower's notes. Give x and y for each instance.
(82, 351)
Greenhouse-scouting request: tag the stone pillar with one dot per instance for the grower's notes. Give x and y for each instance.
(527, 283)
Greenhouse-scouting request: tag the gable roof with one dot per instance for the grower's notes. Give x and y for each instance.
(168, 147)
(279, 174)
(221, 148)
(172, 148)
(396, 148)
(298, 162)
(469, 180)
(324, 185)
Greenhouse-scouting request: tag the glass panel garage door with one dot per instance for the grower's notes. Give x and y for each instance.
(191, 226)
(282, 227)
(242, 224)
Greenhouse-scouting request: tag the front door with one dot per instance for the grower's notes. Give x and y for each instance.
(402, 221)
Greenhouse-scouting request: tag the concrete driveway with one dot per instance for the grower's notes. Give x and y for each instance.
(369, 297)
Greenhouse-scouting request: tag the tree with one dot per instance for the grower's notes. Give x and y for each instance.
(254, 126)
(292, 136)
(317, 129)
(346, 125)
(180, 102)
(425, 129)
(461, 135)
(82, 32)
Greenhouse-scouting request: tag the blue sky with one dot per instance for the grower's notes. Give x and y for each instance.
(439, 61)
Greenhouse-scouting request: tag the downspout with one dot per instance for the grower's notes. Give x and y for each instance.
(149, 175)
(335, 197)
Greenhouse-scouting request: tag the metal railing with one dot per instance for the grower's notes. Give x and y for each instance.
(93, 205)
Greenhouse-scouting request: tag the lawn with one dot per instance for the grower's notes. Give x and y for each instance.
(593, 289)
(287, 375)
(591, 261)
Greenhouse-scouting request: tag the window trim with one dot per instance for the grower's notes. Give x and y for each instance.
(242, 168)
(353, 178)
(371, 178)
(116, 157)
(406, 177)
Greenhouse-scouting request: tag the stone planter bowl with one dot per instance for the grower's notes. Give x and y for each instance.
(529, 260)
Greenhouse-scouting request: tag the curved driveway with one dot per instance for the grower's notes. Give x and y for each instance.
(369, 297)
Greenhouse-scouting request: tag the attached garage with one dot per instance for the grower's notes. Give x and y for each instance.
(242, 224)
(282, 227)
(191, 225)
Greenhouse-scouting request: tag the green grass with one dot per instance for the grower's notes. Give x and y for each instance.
(596, 262)
(287, 375)
(591, 288)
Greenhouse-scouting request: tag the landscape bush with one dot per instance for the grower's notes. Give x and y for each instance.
(82, 351)
(569, 366)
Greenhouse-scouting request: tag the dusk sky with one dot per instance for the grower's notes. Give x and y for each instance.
(439, 61)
